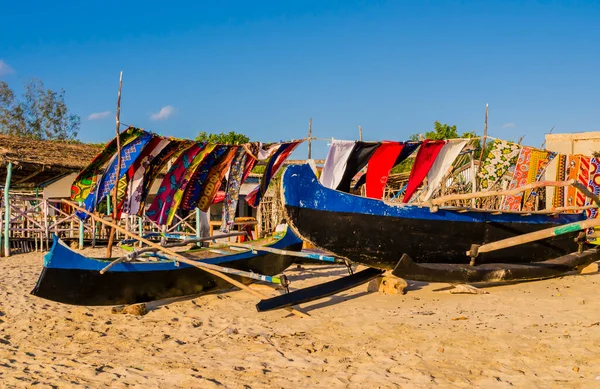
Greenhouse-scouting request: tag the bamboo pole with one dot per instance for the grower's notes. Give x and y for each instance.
(111, 237)
(484, 140)
(212, 269)
(360, 133)
(7, 210)
(532, 237)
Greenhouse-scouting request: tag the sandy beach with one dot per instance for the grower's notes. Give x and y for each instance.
(543, 334)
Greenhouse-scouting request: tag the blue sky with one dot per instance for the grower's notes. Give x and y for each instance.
(264, 68)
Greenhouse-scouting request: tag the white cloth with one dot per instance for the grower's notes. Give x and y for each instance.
(442, 164)
(335, 164)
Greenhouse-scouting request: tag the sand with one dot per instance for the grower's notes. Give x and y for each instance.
(543, 334)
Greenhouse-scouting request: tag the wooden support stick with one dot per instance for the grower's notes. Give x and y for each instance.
(111, 237)
(212, 269)
(310, 138)
(273, 250)
(533, 236)
(468, 196)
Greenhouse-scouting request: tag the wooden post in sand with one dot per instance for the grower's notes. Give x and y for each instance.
(111, 237)
(212, 269)
(7, 210)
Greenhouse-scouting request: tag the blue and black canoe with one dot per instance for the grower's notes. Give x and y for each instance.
(378, 234)
(71, 278)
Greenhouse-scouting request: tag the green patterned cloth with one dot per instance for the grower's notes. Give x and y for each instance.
(502, 155)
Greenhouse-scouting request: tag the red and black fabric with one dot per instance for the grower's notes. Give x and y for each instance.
(425, 158)
(358, 159)
(379, 166)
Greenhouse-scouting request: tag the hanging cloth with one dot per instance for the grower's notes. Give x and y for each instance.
(424, 160)
(274, 163)
(578, 168)
(134, 187)
(531, 164)
(85, 181)
(379, 166)
(158, 210)
(232, 190)
(335, 163)
(442, 165)
(212, 184)
(172, 151)
(358, 158)
(129, 153)
(185, 181)
(501, 156)
(558, 200)
(194, 188)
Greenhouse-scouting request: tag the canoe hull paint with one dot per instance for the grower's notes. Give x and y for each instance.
(376, 234)
(71, 278)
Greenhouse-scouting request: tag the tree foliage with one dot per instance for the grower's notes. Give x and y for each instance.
(40, 113)
(229, 138)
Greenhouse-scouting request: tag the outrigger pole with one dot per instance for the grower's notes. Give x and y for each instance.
(212, 269)
(111, 236)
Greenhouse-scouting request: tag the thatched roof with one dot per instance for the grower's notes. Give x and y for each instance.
(36, 162)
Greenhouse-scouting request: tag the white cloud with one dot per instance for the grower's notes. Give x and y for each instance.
(5, 69)
(99, 115)
(509, 125)
(164, 113)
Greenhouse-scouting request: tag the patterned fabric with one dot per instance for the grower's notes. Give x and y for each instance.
(129, 154)
(502, 155)
(253, 198)
(561, 170)
(593, 186)
(194, 188)
(210, 188)
(232, 190)
(86, 179)
(172, 150)
(135, 186)
(184, 182)
(158, 210)
(531, 164)
(425, 158)
(578, 168)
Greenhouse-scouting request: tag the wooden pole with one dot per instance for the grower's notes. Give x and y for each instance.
(310, 138)
(111, 237)
(360, 133)
(7, 210)
(484, 140)
(81, 232)
(212, 269)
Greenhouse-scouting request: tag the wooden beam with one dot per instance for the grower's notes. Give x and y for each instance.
(30, 176)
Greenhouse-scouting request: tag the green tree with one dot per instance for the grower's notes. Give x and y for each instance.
(40, 114)
(229, 138)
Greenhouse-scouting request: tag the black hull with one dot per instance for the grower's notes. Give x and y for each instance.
(380, 241)
(89, 287)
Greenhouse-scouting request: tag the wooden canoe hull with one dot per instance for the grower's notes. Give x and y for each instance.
(377, 234)
(71, 278)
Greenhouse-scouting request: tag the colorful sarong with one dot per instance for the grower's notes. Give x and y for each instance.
(232, 190)
(530, 166)
(185, 180)
(379, 166)
(85, 181)
(425, 158)
(558, 199)
(578, 168)
(193, 191)
(158, 210)
(253, 198)
(501, 156)
(212, 184)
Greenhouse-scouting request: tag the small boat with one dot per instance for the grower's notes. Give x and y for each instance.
(71, 278)
(377, 234)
